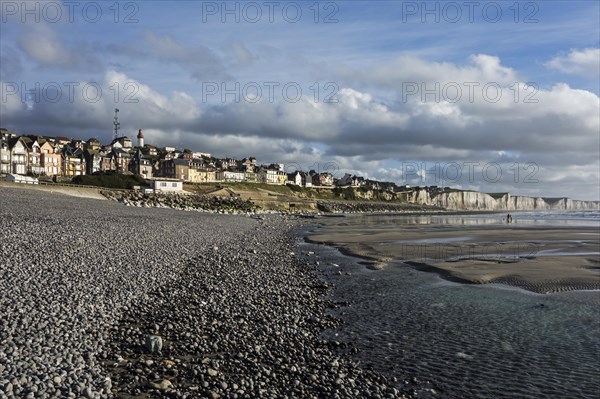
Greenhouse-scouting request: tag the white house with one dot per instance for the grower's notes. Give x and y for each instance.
(233, 176)
(19, 157)
(166, 185)
(5, 136)
(201, 154)
(294, 178)
(122, 142)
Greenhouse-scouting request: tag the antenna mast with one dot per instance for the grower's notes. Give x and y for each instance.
(116, 124)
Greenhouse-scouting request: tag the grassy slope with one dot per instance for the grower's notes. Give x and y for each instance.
(261, 190)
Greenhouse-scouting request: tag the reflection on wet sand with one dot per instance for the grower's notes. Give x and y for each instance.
(531, 254)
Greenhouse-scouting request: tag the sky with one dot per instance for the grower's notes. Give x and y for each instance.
(495, 96)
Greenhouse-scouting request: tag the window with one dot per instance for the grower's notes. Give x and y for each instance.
(174, 184)
(163, 184)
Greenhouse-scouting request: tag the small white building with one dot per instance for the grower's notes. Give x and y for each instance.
(14, 178)
(201, 154)
(233, 176)
(166, 185)
(294, 179)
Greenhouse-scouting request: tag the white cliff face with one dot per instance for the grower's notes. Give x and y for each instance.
(472, 200)
(523, 203)
(569, 204)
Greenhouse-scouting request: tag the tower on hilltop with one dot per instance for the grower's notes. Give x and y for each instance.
(116, 124)
(140, 137)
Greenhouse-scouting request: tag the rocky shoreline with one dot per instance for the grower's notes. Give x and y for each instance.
(372, 207)
(234, 205)
(87, 285)
(181, 201)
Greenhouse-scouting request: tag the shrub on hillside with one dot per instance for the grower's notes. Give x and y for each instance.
(110, 179)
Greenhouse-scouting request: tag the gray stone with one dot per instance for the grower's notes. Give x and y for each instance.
(154, 343)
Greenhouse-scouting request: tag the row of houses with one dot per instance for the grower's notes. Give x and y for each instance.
(26, 155)
(66, 158)
(57, 156)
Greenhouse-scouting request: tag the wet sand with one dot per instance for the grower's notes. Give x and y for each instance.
(538, 258)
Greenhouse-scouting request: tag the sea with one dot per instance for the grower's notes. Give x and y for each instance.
(464, 340)
(541, 218)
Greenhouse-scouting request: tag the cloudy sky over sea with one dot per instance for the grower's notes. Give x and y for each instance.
(491, 96)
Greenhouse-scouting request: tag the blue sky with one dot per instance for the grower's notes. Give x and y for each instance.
(377, 60)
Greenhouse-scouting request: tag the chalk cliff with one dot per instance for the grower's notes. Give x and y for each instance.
(473, 200)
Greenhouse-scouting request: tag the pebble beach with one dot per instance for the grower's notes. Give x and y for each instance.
(87, 285)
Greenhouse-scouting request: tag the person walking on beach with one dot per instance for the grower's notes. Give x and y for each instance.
(509, 218)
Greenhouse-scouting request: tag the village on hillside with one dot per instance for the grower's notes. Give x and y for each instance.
(32, 157)
(35, 159)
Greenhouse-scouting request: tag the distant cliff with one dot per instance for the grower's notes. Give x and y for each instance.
(473, 200)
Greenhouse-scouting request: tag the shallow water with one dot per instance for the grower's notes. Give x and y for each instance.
(488, 341)
(432, 240)
(537, 218)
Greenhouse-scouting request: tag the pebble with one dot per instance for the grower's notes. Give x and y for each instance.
(154, 343)
(105, 279)
(161, 385)
(212, 372)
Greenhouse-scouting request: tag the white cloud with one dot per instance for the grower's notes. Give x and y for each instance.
(584, 62)
(408, 69)
(91, 106)
(148, 103)
(360, 133)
